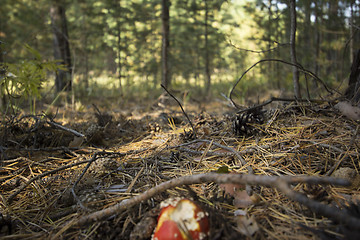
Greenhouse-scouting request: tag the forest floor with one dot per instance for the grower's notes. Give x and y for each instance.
(58, 171)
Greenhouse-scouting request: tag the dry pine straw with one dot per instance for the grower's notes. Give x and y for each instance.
(291, 142)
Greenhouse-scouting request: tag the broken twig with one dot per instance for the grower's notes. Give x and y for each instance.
(282, 183)
(182, 109)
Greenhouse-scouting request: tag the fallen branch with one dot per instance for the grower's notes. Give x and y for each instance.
(282, 183)
(301, 68)
(66, 129)
(182, 109)
(11, 198)
(233, 151)
(272, 99)
(236, 153)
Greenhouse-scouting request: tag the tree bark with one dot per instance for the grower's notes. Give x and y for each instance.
(292, 7)
(61, 45)
(165, 43)
(2, 75)
(317, 39)
(207, 60)
(353, 91)
(118, 28)
(351, 31)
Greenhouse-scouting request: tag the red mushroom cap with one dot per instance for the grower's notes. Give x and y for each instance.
(183, 220)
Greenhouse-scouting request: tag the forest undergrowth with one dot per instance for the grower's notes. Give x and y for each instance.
(97, 172)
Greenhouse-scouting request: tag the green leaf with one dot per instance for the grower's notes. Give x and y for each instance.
(34, 52)
(223, 169)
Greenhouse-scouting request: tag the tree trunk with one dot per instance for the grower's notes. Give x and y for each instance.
(307, 44)
(61, 45)
(118, 28)
(85, 39)
(351, 31)
(292, 7)
(3, 73)
(317, 40)
(165, 43)
(207, 60)
(353, 91)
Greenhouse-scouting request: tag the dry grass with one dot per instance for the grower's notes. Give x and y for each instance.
(311, 140)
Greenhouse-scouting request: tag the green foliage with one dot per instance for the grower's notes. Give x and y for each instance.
(122, 41)
(24, 79)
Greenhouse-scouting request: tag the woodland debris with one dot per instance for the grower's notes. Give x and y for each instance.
(348, 110)
(282, 183)
(300, 139)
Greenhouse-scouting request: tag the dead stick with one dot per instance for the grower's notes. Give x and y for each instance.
(11, 198)
(182, 109)
(66, 129)
(233, 151)
(332, 213)
(269, 181)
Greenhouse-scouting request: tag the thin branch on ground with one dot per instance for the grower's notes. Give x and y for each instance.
(236, 153)
(182, 109)
(272, 99)
(93, 158)
(76, 133)
(233, 151)
(11, 198)
(282, 183)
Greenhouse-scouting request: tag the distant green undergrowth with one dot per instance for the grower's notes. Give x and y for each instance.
(23, 80)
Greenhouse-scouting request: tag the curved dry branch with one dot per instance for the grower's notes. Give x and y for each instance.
(301, 68)
(182, 109)
(282, 183)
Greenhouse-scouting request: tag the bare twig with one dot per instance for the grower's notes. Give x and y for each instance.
(38, 120)
(272, 99)
(66, 129)
(353, 138)
(233, 151)
(236, 153)
(249, 189)
(301, 68)
(131, 185)
(182, 109)
(282, 183)
(332, 213)
(93, 159)
(11, 198)
(256, 51)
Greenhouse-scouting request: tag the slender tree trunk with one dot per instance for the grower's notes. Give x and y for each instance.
(351, 30)
(207, 60)
(85, 47)
(61, 45)
(86, 56)
(317, 40)
(269, 34)
(118, 27)
(307, 45)
(292, 7)
(353, 91)
(2, 75)
(165, 43)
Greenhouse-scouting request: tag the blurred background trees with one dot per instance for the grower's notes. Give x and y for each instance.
(116, 45)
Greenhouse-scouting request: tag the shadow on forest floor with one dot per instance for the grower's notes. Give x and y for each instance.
(58, 168)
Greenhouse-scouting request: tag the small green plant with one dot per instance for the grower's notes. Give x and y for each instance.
(23, 80)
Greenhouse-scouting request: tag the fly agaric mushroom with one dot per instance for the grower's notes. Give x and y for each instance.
(181, 220)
